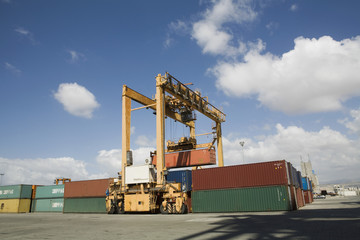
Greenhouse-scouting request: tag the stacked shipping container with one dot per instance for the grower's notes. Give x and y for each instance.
(15, 198)
(307, 190)
(85, 196)
(267, 186)
(48, 199)
(185, 178)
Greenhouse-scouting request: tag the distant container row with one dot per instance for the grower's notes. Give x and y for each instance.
(266, 186)
(73, 197)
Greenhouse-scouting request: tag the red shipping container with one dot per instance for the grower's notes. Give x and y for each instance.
(239, 176)
(88, 188)
(307, 196)
(191, 158)
(300, 197)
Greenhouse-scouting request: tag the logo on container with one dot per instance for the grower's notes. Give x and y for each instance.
(57, 205)
(7, 191)
(57, 191)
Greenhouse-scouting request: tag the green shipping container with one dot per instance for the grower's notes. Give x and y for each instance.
(52, 191)
(16, 192)
(48, 205)
(257, 199)
(85, 205)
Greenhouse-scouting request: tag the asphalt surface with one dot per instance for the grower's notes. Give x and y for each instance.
(331, 218)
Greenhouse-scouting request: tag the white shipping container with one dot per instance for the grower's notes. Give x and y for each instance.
(139, 174)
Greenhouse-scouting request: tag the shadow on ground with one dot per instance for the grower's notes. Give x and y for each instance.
(343, 223)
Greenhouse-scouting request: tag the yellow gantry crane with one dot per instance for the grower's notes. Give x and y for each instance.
(138, 189)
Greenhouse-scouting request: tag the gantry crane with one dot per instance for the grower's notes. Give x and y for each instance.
(138, 188)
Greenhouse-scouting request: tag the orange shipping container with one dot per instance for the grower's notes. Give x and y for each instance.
(88, 188)
(189, 158)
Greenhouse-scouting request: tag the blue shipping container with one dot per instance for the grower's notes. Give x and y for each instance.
(305, 183)
(184, 177)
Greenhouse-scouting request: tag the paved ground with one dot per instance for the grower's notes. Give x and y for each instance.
(331, 218)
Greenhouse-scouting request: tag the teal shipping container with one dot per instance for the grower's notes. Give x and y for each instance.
(16, 192)
(85, 205)
(51, 191)
(255, 199)
(48, 205)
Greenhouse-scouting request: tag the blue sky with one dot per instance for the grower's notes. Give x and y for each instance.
(286, 74)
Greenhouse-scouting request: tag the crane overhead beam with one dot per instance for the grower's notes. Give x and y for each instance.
(147, 102)
(192, 98)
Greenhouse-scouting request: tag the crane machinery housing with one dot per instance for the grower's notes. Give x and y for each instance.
(144, 188)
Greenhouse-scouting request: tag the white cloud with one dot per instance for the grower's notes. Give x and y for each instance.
(318, 75)
(76, 99)
(354, 124)
(75, 56)
(333, 155)
(210, 33)
(12, 68)
(144, 141)
(26, 33)
(110, 160)
(177, 27)
(42, 170)
(271, 27)
(294, 7)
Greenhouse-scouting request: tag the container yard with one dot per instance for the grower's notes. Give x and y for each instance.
(204, 202)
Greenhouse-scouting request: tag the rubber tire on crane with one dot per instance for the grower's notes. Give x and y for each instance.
(121, 209)
(112, 210)
(162, 210)
(183, 209)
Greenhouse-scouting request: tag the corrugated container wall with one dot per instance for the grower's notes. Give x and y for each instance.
(300, 197)
(184, 177)
(52, 191)
(48, 205)
(189, 158)
(271, 198)
(16, 192)
(89, 188)
(85, 205)
(15, 205)
(239, 176)
(305, 183)
(299, 179)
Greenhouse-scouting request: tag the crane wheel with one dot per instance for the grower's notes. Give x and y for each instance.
(112, 210)
(120, 209)
(163, 210)
(183, 209)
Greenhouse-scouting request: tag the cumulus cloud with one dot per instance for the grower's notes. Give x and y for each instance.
(177, 27)
(12, 68)
(210, 33)
(318, 75)
(333, 155)
(42, 170)
(144, 141)
(76, 99)
(75, 56)
(354, 124)
(110, 160)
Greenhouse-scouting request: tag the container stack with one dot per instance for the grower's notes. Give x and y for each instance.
(85, 196)
(263, 186)
(48, 199)
(15, 198)
(299, 191)
(308, 196)
(185, 178)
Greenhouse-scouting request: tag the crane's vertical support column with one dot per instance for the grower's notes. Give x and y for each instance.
(219, 144)
(126, 120)
(160, 130)
(192, 131)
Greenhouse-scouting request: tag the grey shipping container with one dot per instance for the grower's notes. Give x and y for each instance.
(270, 198)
